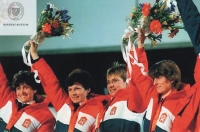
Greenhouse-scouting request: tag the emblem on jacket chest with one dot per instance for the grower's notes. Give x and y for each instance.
(113, 110)
(26, 123)
(82, 121)
(163, 117)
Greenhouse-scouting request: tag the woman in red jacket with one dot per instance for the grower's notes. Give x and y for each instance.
(125, 111)
(162, 90)
(76, 110)
(20, 109)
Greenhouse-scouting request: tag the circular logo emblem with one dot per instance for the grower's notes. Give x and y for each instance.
(15, 11)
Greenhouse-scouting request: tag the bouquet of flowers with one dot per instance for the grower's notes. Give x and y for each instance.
(153, 20)
(50, 24)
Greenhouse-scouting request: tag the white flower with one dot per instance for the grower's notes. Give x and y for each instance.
(169, 2)
(52, 6)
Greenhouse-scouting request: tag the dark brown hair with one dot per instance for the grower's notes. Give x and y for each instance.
(80, 76)
(168, 69)
(25, 77)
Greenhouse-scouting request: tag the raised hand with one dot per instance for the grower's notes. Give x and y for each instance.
(33, 50)
(141, 38)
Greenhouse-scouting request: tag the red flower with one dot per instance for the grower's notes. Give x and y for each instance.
(146, 9)
(156, 27)
(55, 24)
(46, 28)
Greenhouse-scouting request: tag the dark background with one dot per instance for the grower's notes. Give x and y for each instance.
(98, 63)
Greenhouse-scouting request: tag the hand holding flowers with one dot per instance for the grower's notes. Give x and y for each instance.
(50, 24)
(150, 22)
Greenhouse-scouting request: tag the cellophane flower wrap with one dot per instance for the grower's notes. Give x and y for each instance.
(51, 23)
(153, 20)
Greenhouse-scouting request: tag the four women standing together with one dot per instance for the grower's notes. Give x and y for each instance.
(157, 102)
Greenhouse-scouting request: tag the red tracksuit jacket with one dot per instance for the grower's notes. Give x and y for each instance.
(33, 118)
(81, 120)
(124, 113)
(151, 98)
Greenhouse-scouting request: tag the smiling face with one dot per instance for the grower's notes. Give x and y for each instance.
(114, 83)
(77, 93)
(163, 85)
(25, 93)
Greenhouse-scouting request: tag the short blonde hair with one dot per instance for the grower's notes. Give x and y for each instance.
(118, 69)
